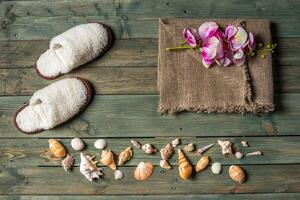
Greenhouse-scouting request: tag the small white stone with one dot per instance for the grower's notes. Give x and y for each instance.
(239, 155)
(100, 144)
(216, 168)
(118, 174)
(77, 144)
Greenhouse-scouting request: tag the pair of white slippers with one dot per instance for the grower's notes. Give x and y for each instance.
(63, 99)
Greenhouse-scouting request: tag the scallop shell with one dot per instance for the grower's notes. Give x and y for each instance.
(237, 173)
(189, 147)
(57, 149)
(202, 150)
(143, 171)
(107, 159)
(202, 163)
(239, 155)
(88, 167)
(136, 144)
(67, 163)
(216, 168)
(175, 142)
(125, 156)
(100, 144)
(165, 164)
(77, 144)
(184, 166)
(118, 174)
(148, 149)
(166, 152)
(226, 146)
(255, 153)
(245, 143)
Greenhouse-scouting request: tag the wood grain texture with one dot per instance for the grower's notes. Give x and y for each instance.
(30, 152)
(20, 20)
(266, 196)
(136, 116)
(261, 178)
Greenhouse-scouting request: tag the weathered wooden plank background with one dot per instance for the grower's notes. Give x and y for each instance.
(126, 102)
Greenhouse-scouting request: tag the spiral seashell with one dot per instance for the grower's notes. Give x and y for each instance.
(57, 149)
(245, 143)
(239, 155)
(100, 144)
(67, 163)
(184, 166)
(107, 159)
(255, 153)
(189, 147)
(237, 174)
(226, 146)
(143, 171)
(125, 156)
(165, 164)
(166, 152)
(136, 144)
(204, 149)
(77, 144)
(148, 149)
(175, 142)
(202, 163)
(88, 168)
(118, 174)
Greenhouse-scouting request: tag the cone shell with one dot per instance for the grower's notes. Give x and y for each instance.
(202, 163)
(255, 153)
(202, 150)
(125, 156)
(57, 149)
(143, 171)
(166, 152)
(184, 166)
(237, 173)
(107, 159)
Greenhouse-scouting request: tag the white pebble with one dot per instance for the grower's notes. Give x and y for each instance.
(100, 144)
(239, 155)
(77, 144)
(216, 168)
(118, 174)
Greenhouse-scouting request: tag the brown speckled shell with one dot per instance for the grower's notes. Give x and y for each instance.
(57, 149)
(202, 163)
(237, 173)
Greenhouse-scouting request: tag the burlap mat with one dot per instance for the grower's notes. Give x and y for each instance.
(185, 84)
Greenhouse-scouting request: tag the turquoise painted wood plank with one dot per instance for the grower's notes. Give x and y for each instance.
(136, 116)
(30, 151)
(135, 19)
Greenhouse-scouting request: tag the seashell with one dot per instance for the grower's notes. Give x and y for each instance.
(189, 147)
(226, 146)
(202, 163)
(143, 171)
(88, 167)
(165, 164)
(125, 155)
(184, 166)
(136, 144)
(107, 159)
(175, 142)
(237, 174)
(118, 174)
(245, 143)
(57, 149)
(239, 155)
(100, 144)
(148, 149)
(216, 168)
(77, 144)
(166, 152)
(255, 153)
(68, 162)
(204, 149)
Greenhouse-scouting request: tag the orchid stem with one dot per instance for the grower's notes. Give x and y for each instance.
(180, 47)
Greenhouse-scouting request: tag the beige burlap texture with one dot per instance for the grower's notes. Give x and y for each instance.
(184, 84)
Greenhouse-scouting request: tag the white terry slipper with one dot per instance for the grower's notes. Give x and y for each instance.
(53, 105)
(75, 47)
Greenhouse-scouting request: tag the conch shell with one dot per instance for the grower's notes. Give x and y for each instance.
(165, 164)
(143, 171)
(237, 173)
(184, 166)
(166, 152)
(226, 146)
(107, 159)
(125, 155)
(202, 150)
(68, 162)
(88, 167)
(255, 153)
(148, 149)
(57, 149)
(202, 163)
